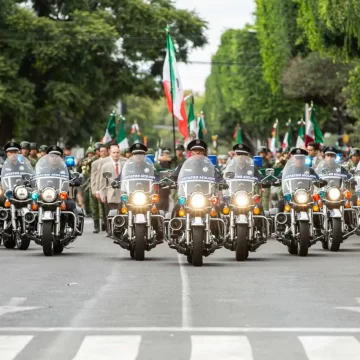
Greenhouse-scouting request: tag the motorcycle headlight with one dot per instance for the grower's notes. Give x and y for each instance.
(197, 201)
(139, 198)
(334, 194)
(48, 195)
(301, 197)
(21, 193)
(241, 199)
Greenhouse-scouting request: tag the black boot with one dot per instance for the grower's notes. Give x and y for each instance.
(103, 226)
(96, 226)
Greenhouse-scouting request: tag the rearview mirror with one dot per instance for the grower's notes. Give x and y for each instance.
(230, 175)
(107, 174)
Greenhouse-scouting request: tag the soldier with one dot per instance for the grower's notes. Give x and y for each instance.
(263, 152)
(42, 150)
(33, 157)
(179, 157)
(85, 170)
(25, 151)
(354, 159)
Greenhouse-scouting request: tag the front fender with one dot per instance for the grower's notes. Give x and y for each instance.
(302, 216)
(140, 219)
(47, 216)
(241, 219)
(197, 221)
(335, 213)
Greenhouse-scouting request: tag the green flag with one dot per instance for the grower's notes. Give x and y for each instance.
(191, 115)
(122, 139)
(201, 133)
(110, 133)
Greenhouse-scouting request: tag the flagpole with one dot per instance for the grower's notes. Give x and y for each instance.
(171, 86)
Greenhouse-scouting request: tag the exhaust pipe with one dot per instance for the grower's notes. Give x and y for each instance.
(29, 217)
(119, 221)
(175, 224)
(4, 215)
(281, 218)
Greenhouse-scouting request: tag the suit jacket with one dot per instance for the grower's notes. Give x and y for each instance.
(111, 195)
(96, 176)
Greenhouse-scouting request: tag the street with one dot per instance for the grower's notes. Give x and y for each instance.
(95, 302)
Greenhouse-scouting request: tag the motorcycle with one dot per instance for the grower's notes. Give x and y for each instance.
(333, 205)
(138, 225)
(294, 225)
(57, 227)
(248, 228)
(17, 215)
(195, 229)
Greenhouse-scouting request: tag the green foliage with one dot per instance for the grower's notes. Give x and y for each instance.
(237, 93)
(65, 64)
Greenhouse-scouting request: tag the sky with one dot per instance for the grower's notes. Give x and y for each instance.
(221, 15)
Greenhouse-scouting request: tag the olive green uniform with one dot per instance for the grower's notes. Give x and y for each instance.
(267, 192)
(85, 169)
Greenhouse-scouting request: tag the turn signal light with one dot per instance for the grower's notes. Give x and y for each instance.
(287, 208)
(347, 205)
(320, 203)
(124, 210)
(316, 208)
(181, 212)
(154, 209)
(155, 198)
(62, 206)
(7, 203)
(316, 197)
(256, 211)
(257, 199)
(358, 202)
(34, 206)
(63, 195)
(226, 210)
(213, 212)
(347, 194)
(214, 200)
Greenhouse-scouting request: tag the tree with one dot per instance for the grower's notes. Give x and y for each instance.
(65, 64)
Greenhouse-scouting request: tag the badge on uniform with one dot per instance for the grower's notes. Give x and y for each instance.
(205, 169)
(21, 168)
(338, 170)
(249, 172)
(146, 170)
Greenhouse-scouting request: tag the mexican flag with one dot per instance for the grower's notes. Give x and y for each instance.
(300, 142)
(122, 139)
(275, 137)
(135, 131)
(201, 126)
(192, 123)
(110, 133)
(287, 142)
(238, 135)
(173, 87)
(313, 132)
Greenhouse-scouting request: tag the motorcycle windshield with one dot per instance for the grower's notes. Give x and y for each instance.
(357, 178)
(331, 172)
(51, 171)
(13, 169)
(297, 175)
(197, 174)
(138, 173)
(244, 179)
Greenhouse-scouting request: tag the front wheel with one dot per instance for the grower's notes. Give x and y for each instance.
(140, 234)
(198, 246)
(303, 242)
(58, 249)
(22, 242)
(10, 242)
(47, 238)
(335, 237)
(242, 251)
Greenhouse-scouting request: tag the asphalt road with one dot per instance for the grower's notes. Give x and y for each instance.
(95, 302)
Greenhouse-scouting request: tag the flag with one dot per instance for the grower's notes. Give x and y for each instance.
(110, 133)
(300, 142)
(313, 132)
(122, 139)
(192, 123)
(287, 142)
(274, 137)
(135, 131)
(201, 126)
(173, 87)
(238, 135)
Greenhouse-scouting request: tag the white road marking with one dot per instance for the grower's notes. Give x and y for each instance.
(350, 308)
(310, 330)
(11, 346)
(331, 347)
(16, 301)
(185, 294)
(13, 306)
(109, 348)
(220, 347)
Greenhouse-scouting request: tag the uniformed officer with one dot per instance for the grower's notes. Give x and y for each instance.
(33, 157)
(11, 148)
(25, 151)
(42, 149)
(330, 153)
(179, 157)
(263, 152)
(242, 152)
(354, 159)
(85, 170)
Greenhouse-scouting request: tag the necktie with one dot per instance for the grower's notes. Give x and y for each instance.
(117, 169)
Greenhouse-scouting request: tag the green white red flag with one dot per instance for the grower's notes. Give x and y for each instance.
(313, 132)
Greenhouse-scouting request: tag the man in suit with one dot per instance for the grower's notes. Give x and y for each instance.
(107, 193)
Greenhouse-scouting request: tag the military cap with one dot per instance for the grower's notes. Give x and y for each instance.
(279, 150)
(54, 149)
(166, 150)
(25, 145)
(138, 148)
(354, 151)
(112, 142)
(298, 151)
(330, 150)
(286, 150)
(33, 146)
(222, 157)
(262, 149)
(197, 144)
(97, 145)
(241, 149)
(180, 147)
(150, 151)
(127, 150)
(12, 146)
(43, 148)
(90, 150)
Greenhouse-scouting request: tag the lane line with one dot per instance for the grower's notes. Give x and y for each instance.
(185, 294)
(183, 329)
(16, 301)
(331, 347)
(11, 346)
(220, 347)
(109, 348)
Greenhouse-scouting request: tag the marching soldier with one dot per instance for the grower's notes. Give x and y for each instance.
(42, 150)
(25, 151)
(354, 159)
(263, 152)
(33, 157)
